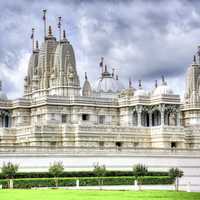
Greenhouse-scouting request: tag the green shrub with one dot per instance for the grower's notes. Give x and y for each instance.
(80, 174)
(86, 181)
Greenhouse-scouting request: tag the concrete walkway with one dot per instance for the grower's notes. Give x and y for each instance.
(125, 187)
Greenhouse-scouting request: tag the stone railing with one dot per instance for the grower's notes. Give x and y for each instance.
(93, 150)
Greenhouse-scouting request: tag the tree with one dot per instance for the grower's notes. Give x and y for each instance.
(9, 170)
(139, 170)
(56, 169)
(176, 174)
(99, 171)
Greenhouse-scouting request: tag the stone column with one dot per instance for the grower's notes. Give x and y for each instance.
(130, 117)
(150, 118)
(162, 111)
(178, 120)
(139, 112)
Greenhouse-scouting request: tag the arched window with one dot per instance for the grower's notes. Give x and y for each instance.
(156, 118)
(145, 118)
(6, 121)
(170, 118)
(135, 118)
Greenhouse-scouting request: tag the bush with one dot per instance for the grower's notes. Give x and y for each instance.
(56, 170)
(139, 170)
(9, 170)
(80, 174)
(86, 181)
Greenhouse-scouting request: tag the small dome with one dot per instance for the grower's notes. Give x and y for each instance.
(162, 90)
(3, 96)
(140, 92)
(87, 90)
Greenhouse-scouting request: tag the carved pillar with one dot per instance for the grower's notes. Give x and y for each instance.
(130, 117)
(162, 112)
(150, 118)
(139, 112)
(178, 120)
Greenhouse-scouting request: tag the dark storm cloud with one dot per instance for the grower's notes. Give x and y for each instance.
(142, 39)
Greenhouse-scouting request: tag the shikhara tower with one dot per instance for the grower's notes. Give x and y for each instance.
(52, 69)
(55, 112)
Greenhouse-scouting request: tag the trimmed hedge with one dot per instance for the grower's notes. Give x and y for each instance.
(86, 181)
(80, 174)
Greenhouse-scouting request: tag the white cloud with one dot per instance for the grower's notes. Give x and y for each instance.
(143, 39)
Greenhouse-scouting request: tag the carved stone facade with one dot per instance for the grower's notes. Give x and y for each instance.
(53, 113)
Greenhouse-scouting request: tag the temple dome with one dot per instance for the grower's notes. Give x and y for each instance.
(3, 95)
(162, 89)
(140, 92)
(108, 85)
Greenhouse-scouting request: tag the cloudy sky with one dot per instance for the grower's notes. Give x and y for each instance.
(141, 39)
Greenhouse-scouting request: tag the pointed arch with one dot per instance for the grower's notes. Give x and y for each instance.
(156, 118)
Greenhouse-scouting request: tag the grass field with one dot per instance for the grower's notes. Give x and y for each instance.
(54, 194)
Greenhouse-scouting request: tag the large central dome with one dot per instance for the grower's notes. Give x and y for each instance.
(108, 83)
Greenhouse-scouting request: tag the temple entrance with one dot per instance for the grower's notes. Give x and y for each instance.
(156, 118)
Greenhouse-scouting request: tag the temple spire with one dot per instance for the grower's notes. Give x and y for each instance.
(50, 31)
(45, 22)
(130, 82)
(194, 59)
(139, 83)
(113, 72)
(163, 80)
(198, 53)
(106, 68)
(86, 76)
(156, 83)
(37, 44)
(33, 38)
(59, 27)
(64, 35)
(101, 65)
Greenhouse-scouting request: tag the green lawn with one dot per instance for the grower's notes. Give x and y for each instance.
(54, 194)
